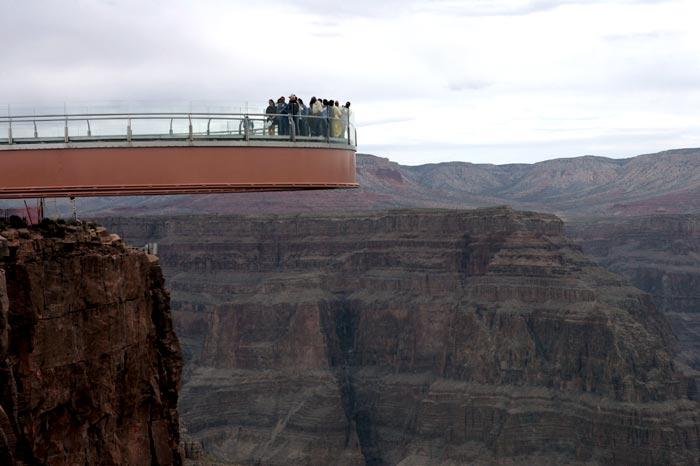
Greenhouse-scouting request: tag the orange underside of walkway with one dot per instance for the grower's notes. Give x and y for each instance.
(108, 171)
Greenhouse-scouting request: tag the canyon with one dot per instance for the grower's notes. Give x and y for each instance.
(90, 365)
(416, 337)
(348, 327)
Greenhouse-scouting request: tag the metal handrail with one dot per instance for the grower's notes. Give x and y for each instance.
(254, 124)
(147, 116)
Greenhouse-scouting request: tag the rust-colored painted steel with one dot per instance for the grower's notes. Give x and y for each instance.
(130, 170)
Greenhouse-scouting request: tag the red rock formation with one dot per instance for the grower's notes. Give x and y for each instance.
(89, 363)
(418, 338)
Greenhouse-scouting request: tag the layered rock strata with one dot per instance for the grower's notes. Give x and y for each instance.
(89, 363)
(659, 254)
(418, 338)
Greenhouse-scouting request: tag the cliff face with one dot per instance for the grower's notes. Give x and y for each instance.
(417, 338)
(659, 254)
(89, 363)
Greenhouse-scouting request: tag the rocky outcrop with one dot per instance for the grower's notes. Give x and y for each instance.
(89, 363)
(417, 338)
(659, 254)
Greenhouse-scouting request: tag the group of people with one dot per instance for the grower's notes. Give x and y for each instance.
(322, 117)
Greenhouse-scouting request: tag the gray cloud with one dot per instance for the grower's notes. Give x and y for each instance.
(641, 36)
(385, 121)
(394, 8)
(379, 55)
(467, 84)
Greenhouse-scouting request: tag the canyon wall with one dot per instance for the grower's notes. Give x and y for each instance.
(659, 254)
(417, 338)
(89, 363)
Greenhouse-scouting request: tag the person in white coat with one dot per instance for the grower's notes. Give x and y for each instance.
(346, 116)
(316, 111)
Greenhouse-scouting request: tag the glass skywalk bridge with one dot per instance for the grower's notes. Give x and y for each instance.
(94, 154)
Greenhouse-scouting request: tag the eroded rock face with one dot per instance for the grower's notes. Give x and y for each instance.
(659, 254)
(418, 338)
(89, 363)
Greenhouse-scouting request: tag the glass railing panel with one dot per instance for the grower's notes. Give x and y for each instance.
(20, 130)
(175, 125)
(99, 127)
(152, 127)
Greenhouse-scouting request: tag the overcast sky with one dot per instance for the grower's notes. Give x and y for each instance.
(493, 81)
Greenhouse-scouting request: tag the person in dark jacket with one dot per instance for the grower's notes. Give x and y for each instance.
(271, 121)
(293, 111)
(303, 119)
(282, 118)
(323, 121)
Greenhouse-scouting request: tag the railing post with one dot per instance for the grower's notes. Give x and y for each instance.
(171, 126)
(128, 130)
(191, 134)
(292, 129)
(89, 129)
(65, 131)
(246, 130)
(208, 123)
(36, 133)
(9, 124)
